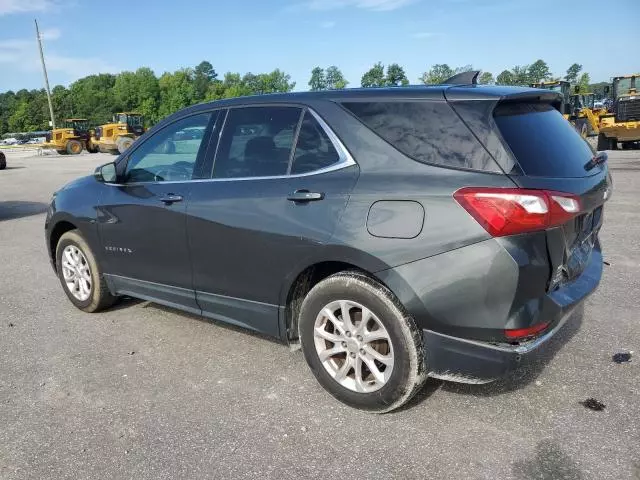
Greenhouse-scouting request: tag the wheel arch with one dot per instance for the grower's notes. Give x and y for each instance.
(296, 290)
(60, 228)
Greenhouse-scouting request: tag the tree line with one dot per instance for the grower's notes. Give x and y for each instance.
(98, 97)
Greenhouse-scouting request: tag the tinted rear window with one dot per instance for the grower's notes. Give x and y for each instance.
(429, 132)
(543, 142)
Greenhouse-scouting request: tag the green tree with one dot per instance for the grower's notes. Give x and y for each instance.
(505, 78)
(583, 83)
(374, 77)
(396, 76)
(204, 75)
(437, 74)
(317, 81)
(486, 78)
(572, 73)
(538, 71)
(92, 97)
(176, 91)
(334, 79)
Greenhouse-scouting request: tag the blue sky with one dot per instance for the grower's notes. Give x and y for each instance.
(296, 35)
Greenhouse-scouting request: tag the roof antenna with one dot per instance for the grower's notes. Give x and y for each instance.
(464, 78)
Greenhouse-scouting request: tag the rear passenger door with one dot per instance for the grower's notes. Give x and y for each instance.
(279, 183)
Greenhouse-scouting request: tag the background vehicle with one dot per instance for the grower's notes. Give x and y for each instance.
(577, 108)
(71, 138)
(119, 135)
(623, 124)
(395, 233)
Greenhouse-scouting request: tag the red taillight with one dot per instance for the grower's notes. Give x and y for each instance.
(519, 333)
(509, 211)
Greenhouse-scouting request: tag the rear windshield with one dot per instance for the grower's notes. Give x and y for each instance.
(544, 143)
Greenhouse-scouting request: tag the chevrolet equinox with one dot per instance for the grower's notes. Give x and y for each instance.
(395, 233)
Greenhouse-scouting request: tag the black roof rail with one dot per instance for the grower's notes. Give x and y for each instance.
(464, 78)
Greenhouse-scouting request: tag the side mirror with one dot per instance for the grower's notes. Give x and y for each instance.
(106, 173)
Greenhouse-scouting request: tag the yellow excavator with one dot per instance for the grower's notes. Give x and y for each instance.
(71, 138)
(623, 124)
(117, 136)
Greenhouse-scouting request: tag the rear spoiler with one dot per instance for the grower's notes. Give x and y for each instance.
(464, 78)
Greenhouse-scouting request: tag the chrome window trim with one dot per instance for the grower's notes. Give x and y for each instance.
(344, 159)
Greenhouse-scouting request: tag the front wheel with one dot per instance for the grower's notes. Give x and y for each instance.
(74, 147)
(79, 274)
(360, 344)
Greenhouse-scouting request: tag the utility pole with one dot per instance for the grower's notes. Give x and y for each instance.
(46, 78)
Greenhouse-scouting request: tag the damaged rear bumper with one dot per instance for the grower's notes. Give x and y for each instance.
(469, 361)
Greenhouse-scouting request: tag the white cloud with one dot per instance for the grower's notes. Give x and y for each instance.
(328, 24)
(22, 55)
(24, 6)
(423, 34)
(50, 34)
(376, 5)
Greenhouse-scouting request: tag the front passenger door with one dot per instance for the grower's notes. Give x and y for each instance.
(142, 219)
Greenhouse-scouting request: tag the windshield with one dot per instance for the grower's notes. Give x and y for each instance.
(81, 125)
(623, 85)
(134, 120)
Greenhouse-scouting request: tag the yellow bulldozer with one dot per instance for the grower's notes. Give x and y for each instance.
(622, 125)
(71, 138)
(117, 136)
(578, 108)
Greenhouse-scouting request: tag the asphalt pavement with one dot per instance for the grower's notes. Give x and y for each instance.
(146, 392)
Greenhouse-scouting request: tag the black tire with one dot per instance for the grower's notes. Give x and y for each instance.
(409, 370)
(3, 161)
(61, 152)
(99, 297)
(603, 142)
(74, 147)
(613, 144)
(91, 149)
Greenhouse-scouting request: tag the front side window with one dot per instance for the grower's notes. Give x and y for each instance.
(314, 149)
(256, 142)
(170, 154)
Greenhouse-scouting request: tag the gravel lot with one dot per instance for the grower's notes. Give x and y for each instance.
(142, 391)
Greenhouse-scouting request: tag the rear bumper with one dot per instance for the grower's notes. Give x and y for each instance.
(470, 361)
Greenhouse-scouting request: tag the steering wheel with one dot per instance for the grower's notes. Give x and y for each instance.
(172, 173)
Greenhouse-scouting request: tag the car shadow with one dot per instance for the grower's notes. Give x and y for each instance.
(513, 381)
(12, 209)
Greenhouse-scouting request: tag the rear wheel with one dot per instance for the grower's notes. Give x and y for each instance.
(360, 344)
(603, 142)
(61, 152)
(79, 274)
(74, 147)
(3, 161)
(123, 143)
(613, 144)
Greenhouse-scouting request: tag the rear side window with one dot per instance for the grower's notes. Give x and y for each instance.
(314, 149)
(256, 142)
(427, 131)
(542, 141)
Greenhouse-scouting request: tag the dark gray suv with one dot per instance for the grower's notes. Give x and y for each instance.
(396, 234)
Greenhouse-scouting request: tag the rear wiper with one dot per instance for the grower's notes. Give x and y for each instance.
(598, 158)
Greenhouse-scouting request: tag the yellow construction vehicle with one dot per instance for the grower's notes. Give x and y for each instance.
(577, 108)
(71, 139)
(117, 136)
(623, 124)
